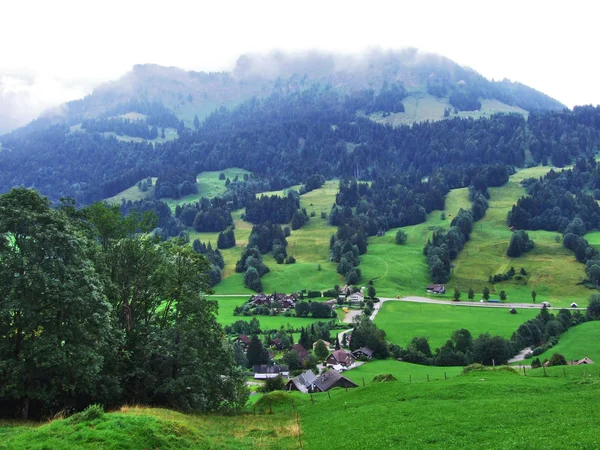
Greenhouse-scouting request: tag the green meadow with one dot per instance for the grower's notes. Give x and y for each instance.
(132, 194)
(403, 372)
(578, 342)
(552, 270)
(403, 320)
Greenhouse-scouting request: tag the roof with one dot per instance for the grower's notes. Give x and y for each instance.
(342, 356)
(304, 381)
(365, 350)
(435, 286)
(243, 338)
(585, 360)
(265, 368)
(302, 352)
(327, 344)
(328, 379)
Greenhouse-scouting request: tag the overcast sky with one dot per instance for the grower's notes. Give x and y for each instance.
(64, 47)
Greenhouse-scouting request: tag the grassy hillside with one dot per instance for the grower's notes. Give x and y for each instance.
(490, 409)
(402, 321)
(402, 269)
(578, 342)
(420, 106)
(553, 271)
(139, 428)
(133, 193)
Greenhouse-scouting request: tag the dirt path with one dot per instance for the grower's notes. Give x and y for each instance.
(521, 355)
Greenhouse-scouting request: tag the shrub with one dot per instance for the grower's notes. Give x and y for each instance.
(557, 360)
(273, 384)
(401, 237)
(384, 378)
(92, 412)
(313, 294)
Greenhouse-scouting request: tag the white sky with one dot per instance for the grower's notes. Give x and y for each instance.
(69, 46)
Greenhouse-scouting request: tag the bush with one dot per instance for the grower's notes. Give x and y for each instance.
(273, 384)
(290, 260)
(557, 360)
(384, 378)
(401, 237)
(92, 412)
(313, 294)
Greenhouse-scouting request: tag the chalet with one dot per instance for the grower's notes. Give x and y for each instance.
(309, 382)
(363, 352)
(243, 340)
(277, 343)
(436, 289)
(583, 361)
(357, 297)
(327, 344)
(340, 357)
(302, 352)
(264, 371)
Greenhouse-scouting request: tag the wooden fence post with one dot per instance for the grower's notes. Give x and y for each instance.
(427, 377)
(312, 399)
(299, 432)
(410, 378)
(445, 376)
(363, 378)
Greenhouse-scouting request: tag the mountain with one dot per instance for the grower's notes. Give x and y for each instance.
(432, 84)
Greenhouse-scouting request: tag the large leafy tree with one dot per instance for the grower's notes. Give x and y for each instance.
(54, 317)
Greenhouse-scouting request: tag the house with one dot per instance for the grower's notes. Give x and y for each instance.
(363, 352)
(332, 303)
(284, 301)
(243, 340)
(583, 361)
(341, 357)
(277, 343)
(308, 382)
(327, 344)
(264, 371)
(303, 382)
(357, 297)
(436, 289)
(332, 379)
(302, 352)
(573, 305)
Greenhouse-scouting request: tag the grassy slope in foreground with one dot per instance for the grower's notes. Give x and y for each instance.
(494, 409)
(553, 271)
(137, 428)
(578, 342)
(402, 321)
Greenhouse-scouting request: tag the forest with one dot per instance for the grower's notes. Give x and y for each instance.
(285, 139)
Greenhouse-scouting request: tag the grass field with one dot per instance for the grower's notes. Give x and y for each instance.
(578, 342)
(209, 186)
(152, 428)
(403, 371)
(226, 317)
(309, 245)
(478, 410)
(402, 269)
(403, 320)
(133, 193)
(553, 271)
(420, 106)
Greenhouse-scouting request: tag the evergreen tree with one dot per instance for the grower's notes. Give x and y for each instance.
(256, 353)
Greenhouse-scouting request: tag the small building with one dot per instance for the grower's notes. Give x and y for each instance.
(573, 305)
(302, 352)
(243, 340)
(356, 298)
(341, 357)
(308, 382)
(264, 371)
(583, 361)
(363, 352)
(436, 289)
(277, 343)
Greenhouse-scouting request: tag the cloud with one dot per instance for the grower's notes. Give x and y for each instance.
(24, 96)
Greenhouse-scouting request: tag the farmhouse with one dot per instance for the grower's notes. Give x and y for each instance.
(308, 382)
(583, 361)
(436, 289)
(357, 297)
(363, 352)
(264, 371)
(340, 357)
(243, 340)
(302, 352)
(277, 343)
(285, 301)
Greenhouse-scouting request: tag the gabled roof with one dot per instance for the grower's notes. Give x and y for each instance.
(302, 352)
(304, 381)
(342, 356)
(265, 368)
(328, 379)
(585, 360)
(364, 350)
(244, 339)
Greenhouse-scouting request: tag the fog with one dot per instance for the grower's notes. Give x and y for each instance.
(51, 52)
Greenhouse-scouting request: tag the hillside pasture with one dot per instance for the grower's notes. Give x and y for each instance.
(132, 194)
(404, 320)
